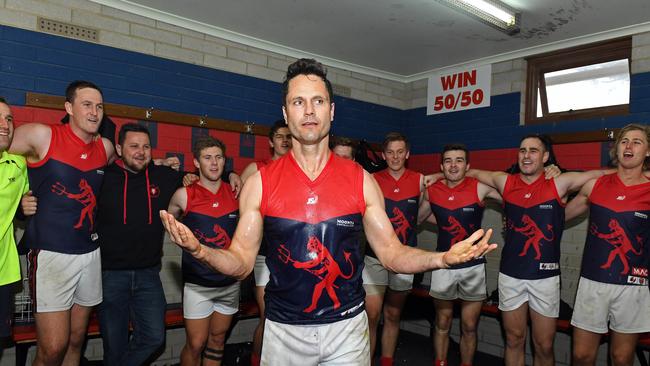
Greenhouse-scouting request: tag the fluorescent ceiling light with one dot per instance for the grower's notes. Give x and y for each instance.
(491, 12)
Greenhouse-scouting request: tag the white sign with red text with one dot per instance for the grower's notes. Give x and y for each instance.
(459, 89)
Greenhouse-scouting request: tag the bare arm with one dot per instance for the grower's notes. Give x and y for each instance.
(248, 171)
(110, 150)
(573, 181)
(238, 260)
(495, 180)
(485, 191)
(579, 205)
(32, 140)
(178, 203)
(404, 259)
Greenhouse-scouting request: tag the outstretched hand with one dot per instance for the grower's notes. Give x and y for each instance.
(180, 234)
(466, 250)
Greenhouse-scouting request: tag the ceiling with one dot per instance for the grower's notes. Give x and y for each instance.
(397, 39)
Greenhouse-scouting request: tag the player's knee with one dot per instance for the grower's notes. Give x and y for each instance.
(515, 338)
(621, 356)
(583, 356)
(77, 339)
(195, 345)
(217, 340)
(52, 353)
(443, 321)
(392, 314)
(468, 327)
(544, 347)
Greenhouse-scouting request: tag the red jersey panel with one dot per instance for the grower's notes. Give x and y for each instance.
(313, 229)
(459, 213)
(212, 217)
(66, 182)
(534, 225)
(616, 250)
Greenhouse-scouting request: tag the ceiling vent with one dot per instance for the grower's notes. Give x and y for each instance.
(67, 30)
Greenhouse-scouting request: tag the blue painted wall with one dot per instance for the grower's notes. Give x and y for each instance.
(42, 63)
(37, 62)
(498, 127)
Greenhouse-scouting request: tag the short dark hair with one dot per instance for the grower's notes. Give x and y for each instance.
(545, 140)
(3, 100)
(453, 147)
(71, 90)
(275, 127)
(344, 141)
(131, 127)
(306, 66)
(205, 142)
(395, 136)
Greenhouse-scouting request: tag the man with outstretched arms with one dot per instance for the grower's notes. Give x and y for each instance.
(210, 299)
(457, 204)
(402, 189)
(66, 165)
(529, 276)
(311, 205)
(280, 143)
(13, 184)
(613, 289)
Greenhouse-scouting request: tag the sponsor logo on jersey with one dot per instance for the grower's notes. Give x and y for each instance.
(352, 309)
(215, 204)
(643, 272)
(312, 200)
(634, 280)
(412, 201)
(84, 156)
(468, 209)
(549, 266)
(344, 223)
(99, 171)
(528, 195)
(620, 198)
(545, 207)
(451, 198)
(640, 215)
(232, 216)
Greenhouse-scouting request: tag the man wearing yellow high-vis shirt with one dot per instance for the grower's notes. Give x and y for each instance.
(13, 184)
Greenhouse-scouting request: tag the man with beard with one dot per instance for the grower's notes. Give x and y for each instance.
(311, 205)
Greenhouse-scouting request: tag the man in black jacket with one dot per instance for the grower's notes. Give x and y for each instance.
(130, 238)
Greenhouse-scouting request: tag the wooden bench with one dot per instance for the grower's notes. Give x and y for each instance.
(563, 325)
(24, 335)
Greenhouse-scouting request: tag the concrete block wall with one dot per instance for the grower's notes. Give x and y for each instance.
(133, 32)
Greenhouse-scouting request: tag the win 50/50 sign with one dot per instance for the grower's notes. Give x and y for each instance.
(459, 89)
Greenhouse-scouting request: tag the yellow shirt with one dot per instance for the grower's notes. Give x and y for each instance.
(13, 184)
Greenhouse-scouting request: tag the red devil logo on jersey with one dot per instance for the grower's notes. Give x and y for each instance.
(456, 229)
(400, 224)
(221, 240)
(85, 196)
(534, 234)
(622, 244)
(322, 266)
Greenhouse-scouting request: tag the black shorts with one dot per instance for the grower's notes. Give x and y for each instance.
(6, 309)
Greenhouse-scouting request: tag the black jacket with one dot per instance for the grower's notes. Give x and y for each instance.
(129, 227)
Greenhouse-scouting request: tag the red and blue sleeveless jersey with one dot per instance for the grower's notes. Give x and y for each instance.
(459, 213)
(401, 198)
(212, 217)
(534, 224)
(313, 229)
(616, 250)
(66, 183)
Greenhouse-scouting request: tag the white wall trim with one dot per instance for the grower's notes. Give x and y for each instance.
(179, 21)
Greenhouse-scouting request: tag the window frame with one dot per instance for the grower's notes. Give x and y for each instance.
(595, 53)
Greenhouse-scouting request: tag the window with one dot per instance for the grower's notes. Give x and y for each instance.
(582, 82)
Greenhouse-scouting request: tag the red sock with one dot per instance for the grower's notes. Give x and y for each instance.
(385, 361)
(255, 359)
(440, 362)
